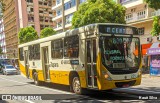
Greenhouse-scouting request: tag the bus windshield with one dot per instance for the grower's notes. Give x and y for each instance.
(120, 52)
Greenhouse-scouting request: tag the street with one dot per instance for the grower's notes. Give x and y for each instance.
(17, 84)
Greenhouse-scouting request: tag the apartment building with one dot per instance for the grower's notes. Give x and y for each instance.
(63, 12)
(22, 13)
(2, 39)
(35, 13)
(140, 15)
(10, 28)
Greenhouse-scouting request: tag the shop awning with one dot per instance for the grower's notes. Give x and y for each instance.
(144, 48)
(154, 49)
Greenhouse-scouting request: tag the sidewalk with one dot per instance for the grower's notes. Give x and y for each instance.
(149, 76)
(149, 85)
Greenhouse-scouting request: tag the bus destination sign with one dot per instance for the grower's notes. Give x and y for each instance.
(118, 29)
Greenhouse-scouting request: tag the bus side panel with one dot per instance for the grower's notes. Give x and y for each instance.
(22, 67)
(82, 78)
(40, 75)
(60, 77)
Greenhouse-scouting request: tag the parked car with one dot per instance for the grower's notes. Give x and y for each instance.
(9, 69)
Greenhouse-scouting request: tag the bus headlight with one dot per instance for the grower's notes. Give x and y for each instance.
(106, 76)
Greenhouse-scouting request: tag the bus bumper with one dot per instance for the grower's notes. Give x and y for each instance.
(107, 85)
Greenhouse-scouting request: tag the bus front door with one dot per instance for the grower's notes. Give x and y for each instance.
(45, 63)
(26, 63)
(91, 70)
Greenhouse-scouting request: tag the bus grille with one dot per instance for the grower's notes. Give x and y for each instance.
(121, 84)
(123, 71)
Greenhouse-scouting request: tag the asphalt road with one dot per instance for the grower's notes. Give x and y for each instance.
(19, 88)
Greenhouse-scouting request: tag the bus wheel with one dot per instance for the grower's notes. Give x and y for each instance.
(36, 81)
(76, 86)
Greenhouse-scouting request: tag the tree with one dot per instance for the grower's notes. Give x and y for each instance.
(156, 28)
(2, 5)
(27, 34)
(1, 50)
(153, 3)
(98, 11)
(47, 32)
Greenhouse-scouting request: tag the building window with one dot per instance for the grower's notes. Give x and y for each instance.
(69, 4)
(68, 19)
(141, 31)
(81, 1)
(57, 48)
(71, 46)
(126, 1)
(30, 1)
(129, 17)
(59, 12)
(21, 56)
(58, 2)
(141, 14)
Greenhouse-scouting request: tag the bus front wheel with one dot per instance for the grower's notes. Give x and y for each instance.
(76, 86)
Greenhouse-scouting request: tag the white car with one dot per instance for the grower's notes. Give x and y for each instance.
(9, 69)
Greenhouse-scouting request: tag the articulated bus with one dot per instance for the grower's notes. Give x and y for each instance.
(100, 56)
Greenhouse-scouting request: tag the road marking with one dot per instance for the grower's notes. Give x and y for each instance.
(38, 86)
(133, 90)
(49, 89)
(29, 101)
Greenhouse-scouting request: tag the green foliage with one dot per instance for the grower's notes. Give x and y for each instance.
(27, 34)
(47, 32)
(153, 3)
(156, 28)
(98, 11)
(1, 50)
(2, 5)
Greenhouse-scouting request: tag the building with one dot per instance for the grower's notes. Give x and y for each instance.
(140, 15)
(22, 13)
(2, 39)
(10, 28)
(63, 12)
(35, 13)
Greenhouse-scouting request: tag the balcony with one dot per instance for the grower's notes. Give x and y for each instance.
(129, 19)
(58, 26)
(57, 17)
(141, 17)
(57, 5)
(155, 13)
(70, 11)
(68, 25)
(131, 3)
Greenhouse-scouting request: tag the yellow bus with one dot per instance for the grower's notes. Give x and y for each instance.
(100, 56)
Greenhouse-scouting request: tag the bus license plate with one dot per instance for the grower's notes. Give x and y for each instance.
(126, 85)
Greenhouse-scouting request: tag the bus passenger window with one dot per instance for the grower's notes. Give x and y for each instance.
(71, 45)
(36, 52)
(57, 48)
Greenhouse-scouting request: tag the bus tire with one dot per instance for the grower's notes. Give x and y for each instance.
(36, 81)
(76, 86)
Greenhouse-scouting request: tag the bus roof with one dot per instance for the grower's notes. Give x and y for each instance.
(70, 33)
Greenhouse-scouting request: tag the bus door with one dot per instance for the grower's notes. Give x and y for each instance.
(26, 63)
(91, 70)
(45, 63)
